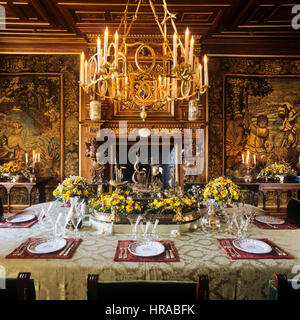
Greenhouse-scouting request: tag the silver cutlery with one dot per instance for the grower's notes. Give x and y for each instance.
(167, 251)
(68, 251)
(125, 252)
(23, 248)
(66, 248)
(170, 251)
(279, 251)
(274, 227)
(227, 245)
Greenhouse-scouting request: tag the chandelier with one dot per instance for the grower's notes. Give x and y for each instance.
(143, 75)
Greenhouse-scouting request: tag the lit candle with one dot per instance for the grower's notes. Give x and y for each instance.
(243, 159)
(186, 54)
(205, 71)
(126, 84)
(247, 158)
(105, 45)
(86, 72)
(39, 157)
(200, 76)
(33, 155)
(191, 52)
(159, 86)
(174, 49)
(99, 53)
(116, 49)
(82, 68)
(254, 159)
(26, 158)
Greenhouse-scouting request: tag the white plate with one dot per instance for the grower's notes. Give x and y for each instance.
(269, 220)
(19, 218)
(146, 248)
(252, 246)
(46, 245)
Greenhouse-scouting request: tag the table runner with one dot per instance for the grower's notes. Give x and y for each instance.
(245, 255)
(133, 258)
(21, 253)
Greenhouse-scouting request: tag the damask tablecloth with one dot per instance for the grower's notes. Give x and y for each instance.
(198, 251)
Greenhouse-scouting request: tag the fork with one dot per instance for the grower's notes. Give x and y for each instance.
(121, 251)
(227, 245)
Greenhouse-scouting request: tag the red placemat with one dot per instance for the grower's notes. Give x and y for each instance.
(132, 258)
(244, 255)
(28, 224)
(21, 253)
(285, 226)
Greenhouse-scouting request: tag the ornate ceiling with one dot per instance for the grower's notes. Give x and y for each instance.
(222, 26)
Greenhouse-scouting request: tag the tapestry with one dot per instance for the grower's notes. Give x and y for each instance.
(39, 103)
(31, 114)
(262, 122)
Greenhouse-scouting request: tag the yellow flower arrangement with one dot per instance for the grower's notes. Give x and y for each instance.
(120, 202)
(222, 190)
(277, 169)
(170, 205)
(13, 169)
(73, 186)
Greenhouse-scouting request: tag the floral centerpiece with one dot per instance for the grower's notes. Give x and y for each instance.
(279, 170)
(170, 205)
(72, 187)
(222, 191)
(121, 203)
(13, 171)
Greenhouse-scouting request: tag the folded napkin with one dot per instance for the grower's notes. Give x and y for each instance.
(22, 253)
(7, 224)
(285, 226)
(132, 258)
(236, 254)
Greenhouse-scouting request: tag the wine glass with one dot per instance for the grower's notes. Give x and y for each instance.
(59, 227)
(76, 220)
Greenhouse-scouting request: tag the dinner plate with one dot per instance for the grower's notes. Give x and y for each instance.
(252, 246)
(146, 248)
(46, 245)
(19, 218)
(269, 220)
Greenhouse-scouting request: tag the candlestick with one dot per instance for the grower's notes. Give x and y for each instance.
(243, 159)
(254, 159)
(200, 76)
(86, 72)
(32, 155)
(105, 45)
(191, 52)
(116, 49)
(186, 54)
(82, 68)
(205, 71)
(174, 50)
(99, 53)
(26, 158)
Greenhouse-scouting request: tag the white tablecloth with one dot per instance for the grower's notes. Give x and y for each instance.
(198, 251)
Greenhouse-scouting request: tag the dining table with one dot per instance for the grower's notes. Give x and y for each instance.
(199, 253)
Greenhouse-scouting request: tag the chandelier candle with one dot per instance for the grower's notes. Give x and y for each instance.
(99, 53)
(105, 45)
(205, 71)
(186, 54)
(116, 49)
(174, 50)
(82, 68)
(191, 51)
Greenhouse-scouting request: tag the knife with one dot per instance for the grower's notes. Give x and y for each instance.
(280, 252)
(66, 248)
(68, 251)
(167, 251)
(170, 251)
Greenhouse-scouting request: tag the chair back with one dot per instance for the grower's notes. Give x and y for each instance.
(293, 211)
(145, 291)
(20, 288)
(282, 289)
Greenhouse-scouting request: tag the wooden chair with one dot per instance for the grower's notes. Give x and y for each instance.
(145, 291)
(20, 288)
(282, 289)
(293, 211)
